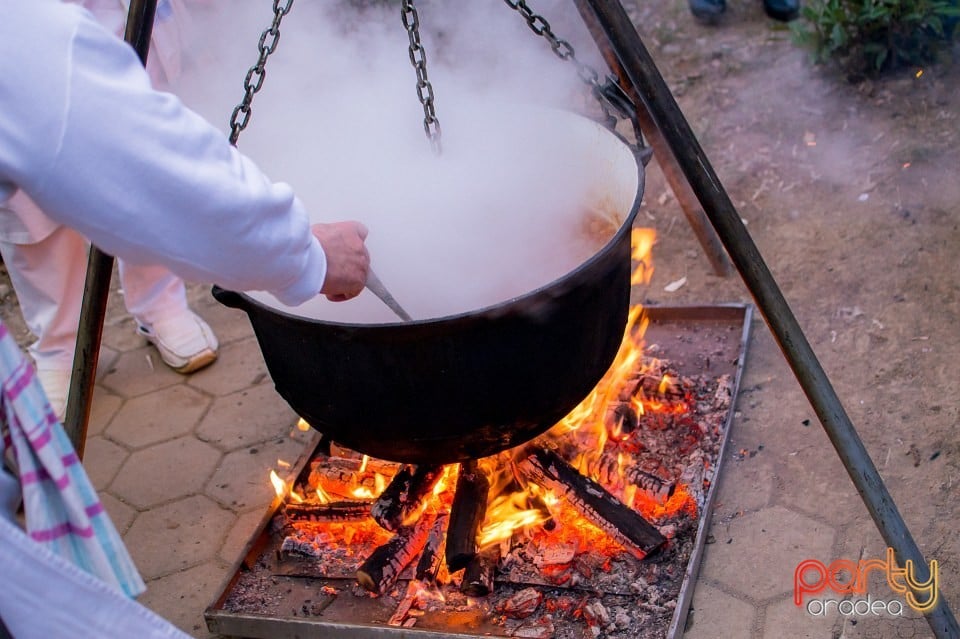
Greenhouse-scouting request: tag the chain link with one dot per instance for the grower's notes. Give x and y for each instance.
(255, 76)
(564, 50)
(418, 58)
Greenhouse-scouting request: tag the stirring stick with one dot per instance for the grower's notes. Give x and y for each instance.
(377, 288)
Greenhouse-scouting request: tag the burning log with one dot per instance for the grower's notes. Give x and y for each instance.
(480, 571)
(654, 487)
(335, 511)
(384, 565)
(405, 493)
(428, 567)
(466, 515)
(310, 512)
(342, 476)
(592, 501)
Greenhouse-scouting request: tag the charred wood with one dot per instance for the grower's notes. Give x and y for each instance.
(654, 487)
(466, 515)
(404, 495)
(382, 568)
(341, 476)
(296, 544)
(428, 566)
(335, 511)
(403, 608)
(479, 574)
(592, 501)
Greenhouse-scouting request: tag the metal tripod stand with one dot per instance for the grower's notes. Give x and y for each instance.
(690, 174)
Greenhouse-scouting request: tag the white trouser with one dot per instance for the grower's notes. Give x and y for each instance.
(48, 277)
(47, 262)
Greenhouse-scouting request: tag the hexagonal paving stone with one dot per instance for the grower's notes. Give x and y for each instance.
(229, 324)
(101, 459)
(165, 471)
(177, 535)
(182, 597)
(240, 533)
(785, 619)
(102, 409)
(819, 485)
(121, 514)
(712, 609)
(247, 417)
(106, 358)
(242, 480)
(754, 485)
(139, 371)
(239, 366)
(756, 554)
(157, 416)
(909, 626)
(120, 332)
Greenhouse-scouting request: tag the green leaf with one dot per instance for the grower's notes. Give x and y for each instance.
(881, 58)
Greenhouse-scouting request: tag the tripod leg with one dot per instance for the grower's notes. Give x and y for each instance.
(621, 36)
(93, 310)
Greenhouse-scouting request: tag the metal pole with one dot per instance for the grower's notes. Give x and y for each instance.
(99, 269)
(696, 217)
(614, 23)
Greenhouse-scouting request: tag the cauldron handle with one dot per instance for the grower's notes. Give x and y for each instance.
(227, 298)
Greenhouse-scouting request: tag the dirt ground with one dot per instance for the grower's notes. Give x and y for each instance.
(852, 193)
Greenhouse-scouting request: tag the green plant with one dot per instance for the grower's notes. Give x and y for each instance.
(869, 36)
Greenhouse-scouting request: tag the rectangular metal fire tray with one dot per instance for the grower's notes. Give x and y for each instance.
(692, 338)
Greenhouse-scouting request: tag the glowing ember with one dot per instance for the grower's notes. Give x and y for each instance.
(679, 501)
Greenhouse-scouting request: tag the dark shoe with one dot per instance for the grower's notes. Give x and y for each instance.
(782, 10)
(708, 11)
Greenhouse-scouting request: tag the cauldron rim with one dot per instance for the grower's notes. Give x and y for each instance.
(553, 287)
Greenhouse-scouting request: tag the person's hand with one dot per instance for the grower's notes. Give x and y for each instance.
(347, 259)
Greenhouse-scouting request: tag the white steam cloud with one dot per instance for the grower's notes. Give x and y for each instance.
(499, 213)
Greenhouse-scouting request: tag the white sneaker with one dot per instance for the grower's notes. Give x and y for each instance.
(186, 342)
(56, 385)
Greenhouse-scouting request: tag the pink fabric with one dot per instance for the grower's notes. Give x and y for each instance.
(63, 511)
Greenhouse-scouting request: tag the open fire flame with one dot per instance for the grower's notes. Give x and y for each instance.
(594, 422)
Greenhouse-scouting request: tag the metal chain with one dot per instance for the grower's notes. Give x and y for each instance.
(418, 58)
(565, 51)
(255, 76)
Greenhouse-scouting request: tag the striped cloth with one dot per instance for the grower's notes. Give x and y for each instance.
(63, 511)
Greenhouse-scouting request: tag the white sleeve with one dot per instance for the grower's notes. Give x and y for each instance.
(138, 173)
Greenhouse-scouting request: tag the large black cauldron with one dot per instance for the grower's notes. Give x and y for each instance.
(463, 386)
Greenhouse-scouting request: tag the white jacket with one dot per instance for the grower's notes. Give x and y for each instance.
(146, 179)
